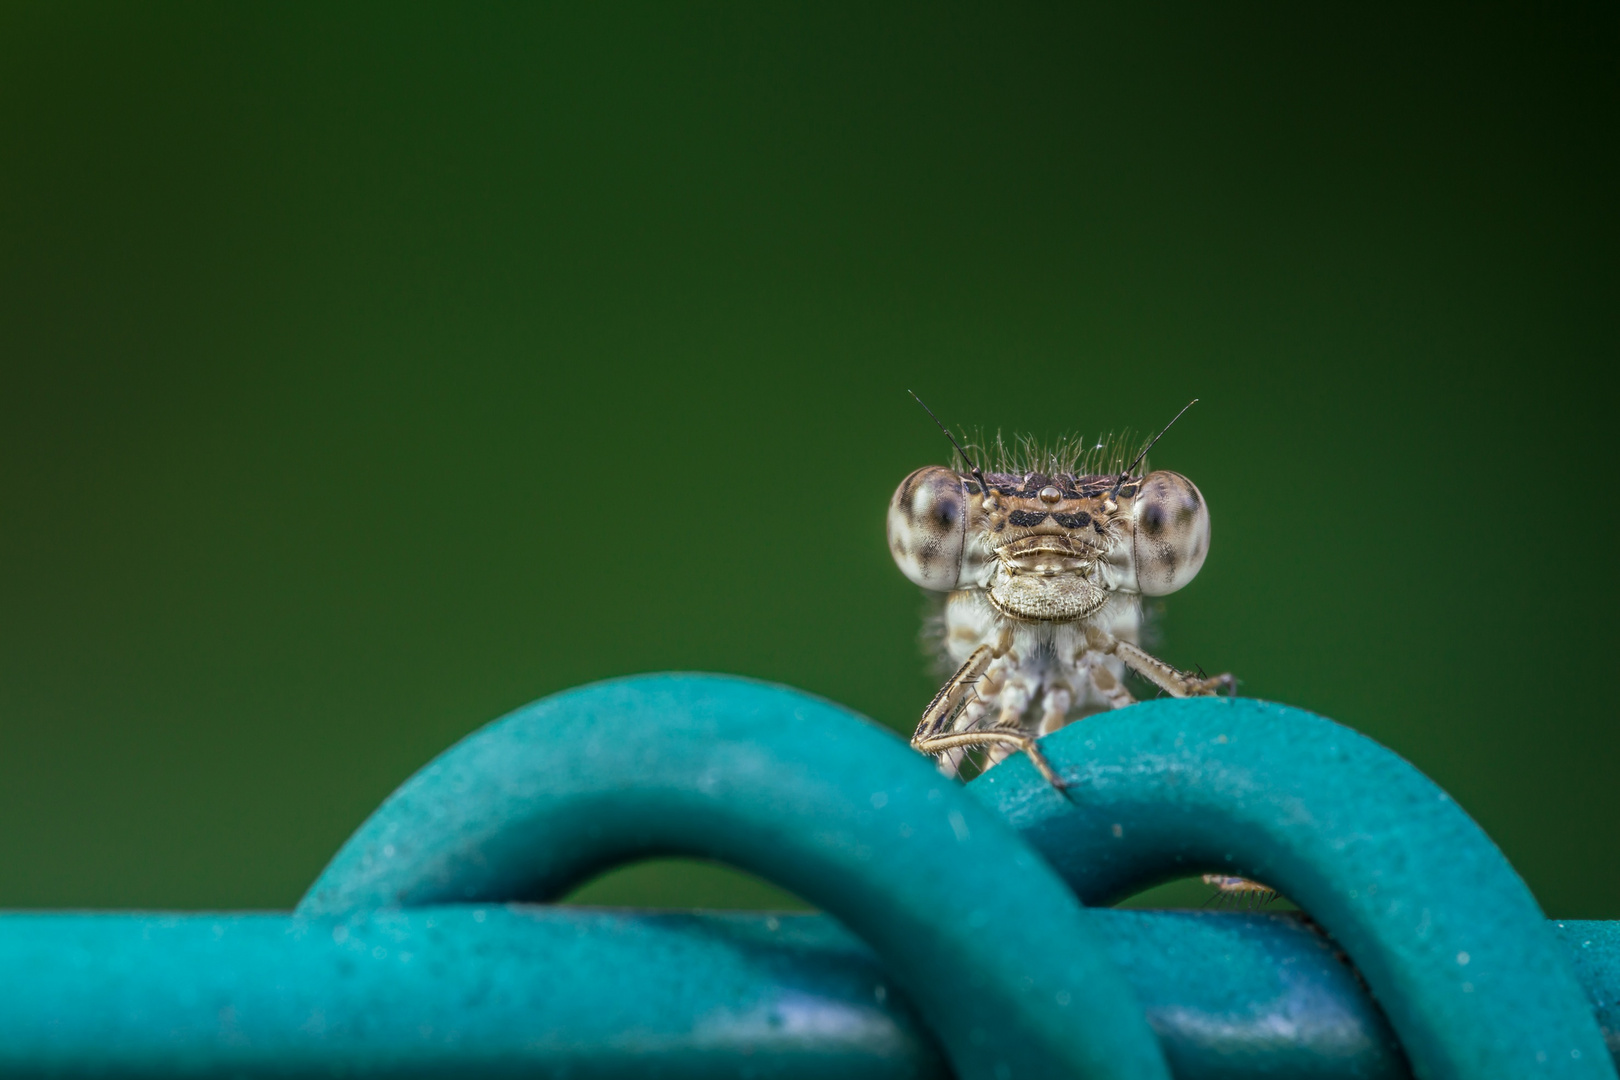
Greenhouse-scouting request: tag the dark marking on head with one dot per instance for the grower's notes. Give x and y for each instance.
(1172, 532)
(1026, 519)
(1153, 519)
(904, 495)
(926, 527)
(1073, 521)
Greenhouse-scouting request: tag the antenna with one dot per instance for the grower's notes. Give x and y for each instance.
(1132, 466)
(984, 489)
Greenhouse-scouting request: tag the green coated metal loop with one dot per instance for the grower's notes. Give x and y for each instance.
(1447, 936)
(987, 942)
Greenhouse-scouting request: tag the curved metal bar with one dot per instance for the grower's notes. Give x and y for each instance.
(989, 945)
(1447, 936)
(1593, 946)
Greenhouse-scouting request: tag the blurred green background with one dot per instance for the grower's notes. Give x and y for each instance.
(371, 370)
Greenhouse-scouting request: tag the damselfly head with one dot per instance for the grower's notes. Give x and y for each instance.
(1047, 546)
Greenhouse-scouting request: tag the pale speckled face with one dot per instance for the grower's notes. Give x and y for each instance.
(1048, 548)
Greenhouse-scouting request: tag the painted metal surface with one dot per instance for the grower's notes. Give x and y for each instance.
(510, 990)
(988, 944)
(959, 946)
(471, 992)
(1447, 936)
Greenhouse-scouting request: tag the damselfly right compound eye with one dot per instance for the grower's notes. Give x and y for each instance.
(1169, 534)
(928, 527)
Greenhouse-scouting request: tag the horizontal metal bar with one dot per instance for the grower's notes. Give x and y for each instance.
(510, 990)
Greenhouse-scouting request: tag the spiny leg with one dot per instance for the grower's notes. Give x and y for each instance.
(1232, 891)
(940, 743)
(935, 734)
(955, 703)
(975, 708)
(1055, 702)
(1015, 700)
(942, 710)
(1109, 688)
(1055, 706)
(1171, 680)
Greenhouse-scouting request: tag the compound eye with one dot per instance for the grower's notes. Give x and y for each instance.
(928, 527)
(1170, 536)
